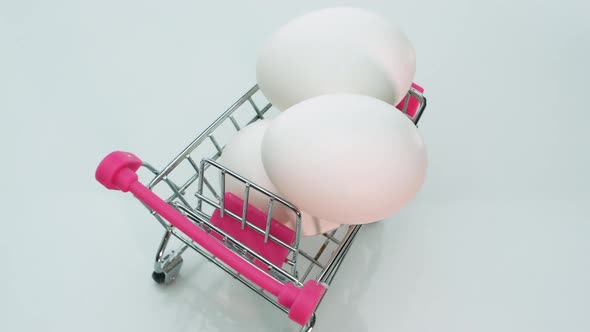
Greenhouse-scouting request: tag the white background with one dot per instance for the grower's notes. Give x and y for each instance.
(497, 240)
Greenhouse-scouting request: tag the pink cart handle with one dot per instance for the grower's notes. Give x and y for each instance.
(117, 171)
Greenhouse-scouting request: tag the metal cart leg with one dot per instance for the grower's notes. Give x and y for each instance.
(309, 326)
(167, 267)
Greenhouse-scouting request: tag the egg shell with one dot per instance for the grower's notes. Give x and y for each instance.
(336, 50)
(349, 158)
(243, 155)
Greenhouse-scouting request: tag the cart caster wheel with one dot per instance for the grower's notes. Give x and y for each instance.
(167, 269)
(159, 277)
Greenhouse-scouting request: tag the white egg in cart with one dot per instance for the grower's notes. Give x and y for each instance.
(345, 157)
(336, 50)
(243, 155)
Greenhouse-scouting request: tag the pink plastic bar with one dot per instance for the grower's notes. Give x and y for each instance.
(117, 171)
(272, 251)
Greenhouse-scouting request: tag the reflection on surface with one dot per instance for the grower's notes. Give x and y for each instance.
(204, 298)
(339, 310)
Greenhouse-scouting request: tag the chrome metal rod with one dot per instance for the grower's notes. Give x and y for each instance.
(268, 220)
(310, 325)
(263, 111)
(190, 148)
(422, 102)
(235, 123)
(222, 197)
(253, 185)
(245, 207)
(256, 109)
(216, 144)
(163, 244)
(252, 226)
(331, 237)
(406, 103)
(317, 255)
(228, 270)
(311, 259)
(333, 264)
(195, 217)
(200, 186)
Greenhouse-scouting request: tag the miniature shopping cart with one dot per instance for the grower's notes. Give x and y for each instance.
(188, 198)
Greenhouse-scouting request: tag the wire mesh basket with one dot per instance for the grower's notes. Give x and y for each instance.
(188, 197)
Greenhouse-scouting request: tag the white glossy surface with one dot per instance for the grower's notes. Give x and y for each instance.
(346, 157)
(497, 240)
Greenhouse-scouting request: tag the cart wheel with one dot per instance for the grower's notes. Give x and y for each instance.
(159, 277)
(167, 269)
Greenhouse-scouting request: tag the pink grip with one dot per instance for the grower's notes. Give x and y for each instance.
(117, 172)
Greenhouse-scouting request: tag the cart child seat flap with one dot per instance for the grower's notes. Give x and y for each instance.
(270, 250)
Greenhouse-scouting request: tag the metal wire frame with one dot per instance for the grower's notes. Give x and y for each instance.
(199, 217)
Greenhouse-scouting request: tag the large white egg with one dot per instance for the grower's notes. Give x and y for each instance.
(243, 155)
(336, 50)
(349, 158)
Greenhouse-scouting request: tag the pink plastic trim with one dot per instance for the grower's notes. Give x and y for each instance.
(117, 172)
(304, 305)
(110, 166)
(270, 250)
(413, 103)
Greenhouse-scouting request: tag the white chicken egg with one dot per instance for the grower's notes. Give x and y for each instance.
(243, 155)
(349, 158)
(336, 50)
